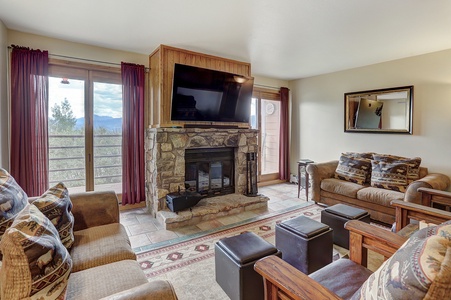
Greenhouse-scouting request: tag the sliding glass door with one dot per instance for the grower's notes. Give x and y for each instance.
(265, 116)
(85, 129)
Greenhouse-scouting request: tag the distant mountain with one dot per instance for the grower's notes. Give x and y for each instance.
(109, 123)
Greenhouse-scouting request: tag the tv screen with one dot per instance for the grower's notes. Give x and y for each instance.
(200, 94)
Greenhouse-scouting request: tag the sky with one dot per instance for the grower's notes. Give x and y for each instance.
(107, 97)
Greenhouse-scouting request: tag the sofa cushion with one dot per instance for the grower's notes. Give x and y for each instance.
(421, 267)
(105, 280)
(353, 169)
(392, 176)
(379, 196)
(12, 200)
(341, 187)
(413, 164)
(55, 204)
(35, 262)
(100, 245)
(336, 277)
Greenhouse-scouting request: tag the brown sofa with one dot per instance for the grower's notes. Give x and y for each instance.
(104, 264)
(328, 190)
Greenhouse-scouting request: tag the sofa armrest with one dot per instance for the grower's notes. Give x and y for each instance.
(406, 211)
(433, 180)
(283, 281)
(154, 290)
(318, 172)
(94, 209)
(364, 237)
(431, 196)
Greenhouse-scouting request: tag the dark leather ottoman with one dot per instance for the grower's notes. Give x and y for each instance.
(305, 244)
(337, 215)
(234, 265)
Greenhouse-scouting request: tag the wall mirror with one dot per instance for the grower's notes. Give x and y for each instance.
(379, 111)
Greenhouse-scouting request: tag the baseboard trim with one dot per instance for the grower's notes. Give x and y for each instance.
(271, 182)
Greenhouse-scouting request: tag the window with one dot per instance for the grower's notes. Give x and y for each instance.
(85, 128)
(265, 116)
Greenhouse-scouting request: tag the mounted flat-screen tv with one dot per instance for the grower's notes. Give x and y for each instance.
(200, 94)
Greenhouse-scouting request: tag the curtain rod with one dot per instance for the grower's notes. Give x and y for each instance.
(267, 86)
(85, 59)
(90, 60)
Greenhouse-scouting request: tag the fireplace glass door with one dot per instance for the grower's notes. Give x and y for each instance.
(210, 171)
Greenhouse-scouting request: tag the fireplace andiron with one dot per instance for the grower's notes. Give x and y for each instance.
(251, 168)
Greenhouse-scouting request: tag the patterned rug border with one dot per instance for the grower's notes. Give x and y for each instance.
(164, 244)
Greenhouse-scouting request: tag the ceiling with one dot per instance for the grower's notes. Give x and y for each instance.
(284, 39)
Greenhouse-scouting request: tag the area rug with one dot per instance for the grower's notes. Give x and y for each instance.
(189, 265)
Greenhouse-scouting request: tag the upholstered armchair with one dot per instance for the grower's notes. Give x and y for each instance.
(350, 279)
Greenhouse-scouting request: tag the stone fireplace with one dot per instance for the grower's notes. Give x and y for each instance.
(166, 165)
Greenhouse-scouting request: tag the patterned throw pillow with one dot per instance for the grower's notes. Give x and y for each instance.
(367, 155)
(353, 169)
(36, 265)
(390, 176)
(421, 266)
(413, 164)
(55, 204)
(12, 200)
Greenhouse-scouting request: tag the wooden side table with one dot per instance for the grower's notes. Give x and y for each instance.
(302, 169)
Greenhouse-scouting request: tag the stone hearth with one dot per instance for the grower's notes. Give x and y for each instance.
(165, 160)
(211, 208)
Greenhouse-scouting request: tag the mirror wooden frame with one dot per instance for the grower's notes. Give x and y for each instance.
(387, 110)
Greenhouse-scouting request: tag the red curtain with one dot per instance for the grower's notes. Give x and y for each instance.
(133, 164)
(284, 145)
(29, 132)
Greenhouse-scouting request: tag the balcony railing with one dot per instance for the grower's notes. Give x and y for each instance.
(67, 160)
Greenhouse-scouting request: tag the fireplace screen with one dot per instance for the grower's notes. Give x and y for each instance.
(210, 171)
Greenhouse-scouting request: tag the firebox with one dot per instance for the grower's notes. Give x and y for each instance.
(210, 171)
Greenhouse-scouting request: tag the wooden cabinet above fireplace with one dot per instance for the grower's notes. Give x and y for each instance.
(161, 63)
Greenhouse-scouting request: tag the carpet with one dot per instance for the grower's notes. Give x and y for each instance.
(189, 265)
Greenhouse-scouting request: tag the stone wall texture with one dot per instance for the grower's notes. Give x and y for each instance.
(165, 157)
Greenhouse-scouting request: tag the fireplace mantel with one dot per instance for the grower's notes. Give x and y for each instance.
(165, 157)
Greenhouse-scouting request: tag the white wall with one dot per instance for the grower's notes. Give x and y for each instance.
(4, 160)
(318, 108)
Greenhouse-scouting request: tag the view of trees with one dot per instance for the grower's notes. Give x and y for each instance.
(62, 120)
(67, 150)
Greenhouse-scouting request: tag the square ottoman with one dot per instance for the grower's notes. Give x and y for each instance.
(234, 265)
(337, 215)
(305, 243)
